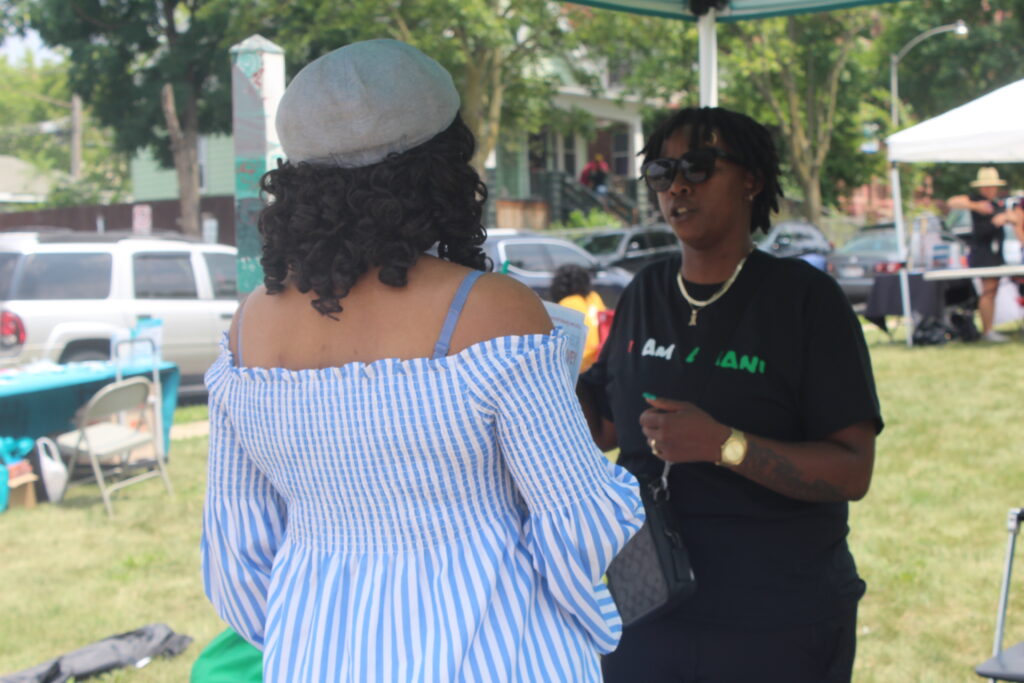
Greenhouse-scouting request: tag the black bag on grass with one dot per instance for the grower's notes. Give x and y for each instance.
(931, 331)
(134, 648)
(964, 328)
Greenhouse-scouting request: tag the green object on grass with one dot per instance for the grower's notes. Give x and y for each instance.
(228, 658)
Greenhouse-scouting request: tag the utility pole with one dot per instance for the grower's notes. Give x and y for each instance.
(76, 137)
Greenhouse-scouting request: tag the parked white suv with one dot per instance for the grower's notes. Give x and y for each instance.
(65, 294)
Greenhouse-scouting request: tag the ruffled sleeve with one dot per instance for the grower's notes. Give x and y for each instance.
(582, 508)
(243, 526)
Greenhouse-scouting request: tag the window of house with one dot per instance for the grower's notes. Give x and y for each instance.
(569, 154)
(618, 70)
(537, 151)
(620, 153)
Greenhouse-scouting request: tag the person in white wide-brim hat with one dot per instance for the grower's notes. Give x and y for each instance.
(988, 214)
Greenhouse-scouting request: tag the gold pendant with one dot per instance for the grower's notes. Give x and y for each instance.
(693, 317)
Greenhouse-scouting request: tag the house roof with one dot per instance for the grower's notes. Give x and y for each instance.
(21, 182)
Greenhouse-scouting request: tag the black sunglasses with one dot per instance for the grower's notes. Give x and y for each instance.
(697, 165)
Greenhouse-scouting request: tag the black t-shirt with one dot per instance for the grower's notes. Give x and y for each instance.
(986, 238)
(790, 363)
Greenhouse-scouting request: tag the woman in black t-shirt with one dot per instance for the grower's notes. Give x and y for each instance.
(988, 214)
(751, 372)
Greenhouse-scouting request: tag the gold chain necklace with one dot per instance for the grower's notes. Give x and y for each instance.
(696, 305)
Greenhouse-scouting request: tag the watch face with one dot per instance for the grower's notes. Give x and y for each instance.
(733, 450)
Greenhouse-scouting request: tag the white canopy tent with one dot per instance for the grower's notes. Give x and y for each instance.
(987, 130)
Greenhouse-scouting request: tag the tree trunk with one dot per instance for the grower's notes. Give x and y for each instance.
(812, 199)
(481, 102)
(184, 148)
(76, 137)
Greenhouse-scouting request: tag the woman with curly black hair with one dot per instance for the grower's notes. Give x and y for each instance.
(401, 485)
(328, 225)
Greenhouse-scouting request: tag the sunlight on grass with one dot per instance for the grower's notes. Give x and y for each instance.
(929, 538)
(194, 412)
(74, 576)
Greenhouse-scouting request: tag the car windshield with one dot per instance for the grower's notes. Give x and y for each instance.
(7, 263)
(601, 244)
(873, 243)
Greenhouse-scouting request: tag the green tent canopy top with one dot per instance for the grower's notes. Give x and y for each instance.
(733, 11)
(707, 12)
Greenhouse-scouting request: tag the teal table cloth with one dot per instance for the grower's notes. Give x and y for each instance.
(36, 403)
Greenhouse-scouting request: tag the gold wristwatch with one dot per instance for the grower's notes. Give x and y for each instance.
(734, 449)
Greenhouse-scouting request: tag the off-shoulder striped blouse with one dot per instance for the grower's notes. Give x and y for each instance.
(434, 519)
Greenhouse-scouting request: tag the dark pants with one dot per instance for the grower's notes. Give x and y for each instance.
(670, 652)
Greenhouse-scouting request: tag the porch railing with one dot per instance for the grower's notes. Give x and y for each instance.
(565, 195)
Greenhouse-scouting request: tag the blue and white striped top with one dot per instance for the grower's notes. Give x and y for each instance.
(434, 519)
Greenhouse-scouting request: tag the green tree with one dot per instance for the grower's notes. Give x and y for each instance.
(37, 126)
(802, 75)
(155, 71)
(34, 102)
(494, 49)
(804, 81)
(650, 57)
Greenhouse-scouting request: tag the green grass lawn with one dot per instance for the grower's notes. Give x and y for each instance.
(929, 538)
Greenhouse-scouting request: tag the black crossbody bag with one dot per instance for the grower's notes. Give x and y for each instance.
(652, 574)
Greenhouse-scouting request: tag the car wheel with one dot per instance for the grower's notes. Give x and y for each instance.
(82, 355)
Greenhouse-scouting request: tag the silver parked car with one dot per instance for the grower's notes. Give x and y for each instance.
(631, 248)
(532, 258)
(64, 295)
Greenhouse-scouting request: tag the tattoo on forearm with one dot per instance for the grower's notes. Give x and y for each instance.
(774, 471)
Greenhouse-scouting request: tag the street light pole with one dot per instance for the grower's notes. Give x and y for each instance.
(894, 88)
(959, 27)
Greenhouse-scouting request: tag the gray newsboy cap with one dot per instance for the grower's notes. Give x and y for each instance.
(354, 106)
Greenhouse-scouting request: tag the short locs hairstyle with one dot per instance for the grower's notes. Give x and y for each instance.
(745, 137)
(327, 226)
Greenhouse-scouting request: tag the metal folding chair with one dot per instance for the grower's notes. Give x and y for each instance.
(1008, 664)
(119, 419)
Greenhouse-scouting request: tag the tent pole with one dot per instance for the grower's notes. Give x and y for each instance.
(897, 212)
(707, 50)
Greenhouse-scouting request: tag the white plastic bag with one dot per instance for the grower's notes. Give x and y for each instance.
(52, 469)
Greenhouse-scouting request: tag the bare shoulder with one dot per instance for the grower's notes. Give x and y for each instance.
(498, 306)
(236, 321)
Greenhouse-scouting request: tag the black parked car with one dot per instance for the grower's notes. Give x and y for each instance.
(532, 259)
(631, 248)
(872, 251)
